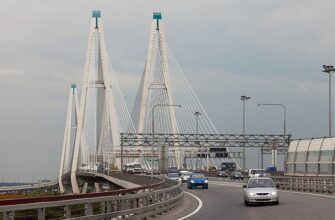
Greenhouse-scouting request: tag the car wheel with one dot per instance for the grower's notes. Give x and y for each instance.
(276, 203)
(246, 203)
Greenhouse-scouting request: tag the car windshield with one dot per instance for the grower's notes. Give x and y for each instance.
(198, 175)
(255, 183)
(237, 173)
(173, 175)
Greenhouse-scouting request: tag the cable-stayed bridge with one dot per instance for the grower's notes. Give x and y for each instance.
(99, 130)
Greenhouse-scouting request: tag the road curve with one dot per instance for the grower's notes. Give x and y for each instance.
(226, 202)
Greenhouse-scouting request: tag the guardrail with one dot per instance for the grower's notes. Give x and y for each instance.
(308, 184)
(303, 184)
(140, 202)
(29, 186)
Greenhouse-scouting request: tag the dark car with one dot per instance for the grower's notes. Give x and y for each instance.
(172, 170)
(222, 174)
(236, 176)
(197, 180)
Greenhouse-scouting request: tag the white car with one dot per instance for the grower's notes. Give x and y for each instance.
(173, 176)
(260, 190)
(185, 176)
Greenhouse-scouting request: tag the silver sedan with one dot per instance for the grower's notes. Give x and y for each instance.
(260, 190)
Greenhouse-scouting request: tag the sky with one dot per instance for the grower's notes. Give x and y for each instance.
(272, 51)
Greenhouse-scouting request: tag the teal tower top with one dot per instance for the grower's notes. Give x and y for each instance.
(157, 16)
(96, 15)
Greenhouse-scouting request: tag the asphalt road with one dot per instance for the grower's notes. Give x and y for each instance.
(226, 202)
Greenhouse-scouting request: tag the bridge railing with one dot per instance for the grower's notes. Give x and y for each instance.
(27, 187)
(307, 184)
(140, 202)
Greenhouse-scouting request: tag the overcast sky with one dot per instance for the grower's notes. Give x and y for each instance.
(271, 51)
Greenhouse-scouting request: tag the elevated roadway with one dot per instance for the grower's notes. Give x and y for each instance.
(225, 201)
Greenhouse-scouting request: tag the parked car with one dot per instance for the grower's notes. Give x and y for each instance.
(236, 176)
(221, 174)
(260, 190)
(185, 176)
(197, 180)
(173, 176)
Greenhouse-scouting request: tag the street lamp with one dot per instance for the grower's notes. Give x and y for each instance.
(244, 98)
(197, 114)
(329, 70)
(153, 133)
(284, 111)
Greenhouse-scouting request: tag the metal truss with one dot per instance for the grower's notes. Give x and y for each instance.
(265, 142)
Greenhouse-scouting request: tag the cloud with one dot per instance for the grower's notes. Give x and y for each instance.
(10, 71)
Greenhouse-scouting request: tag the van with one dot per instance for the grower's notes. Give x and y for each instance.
(271, 169)
(254, 173)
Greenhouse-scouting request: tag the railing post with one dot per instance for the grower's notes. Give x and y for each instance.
(41, 213)
(67, 211)
(109, 207)
(5, 216)
(88, 209)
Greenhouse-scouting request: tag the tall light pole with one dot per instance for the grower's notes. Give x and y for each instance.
(153, 133)
(197, 114)
(329, 70)
(284, 111)
(244, 98)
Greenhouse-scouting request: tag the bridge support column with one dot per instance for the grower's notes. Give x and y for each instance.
(84, 188)
(97, 187)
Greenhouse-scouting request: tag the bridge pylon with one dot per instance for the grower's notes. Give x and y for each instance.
(100, 116)
(155, 87)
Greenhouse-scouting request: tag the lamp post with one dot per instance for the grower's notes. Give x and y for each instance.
(197, 114)
(329, 70)
(244, 98)
(284, 111)
(153, 133)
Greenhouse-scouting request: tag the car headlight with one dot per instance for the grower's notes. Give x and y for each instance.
(206, 181)
(192, 181)
(274, 193)
(251, 194)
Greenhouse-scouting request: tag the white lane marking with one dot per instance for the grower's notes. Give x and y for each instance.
(226, 184)
(284, 191)
(195, 211)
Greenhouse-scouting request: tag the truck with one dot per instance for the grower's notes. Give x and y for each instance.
(133, 168)
(137, 167)
(129, 168)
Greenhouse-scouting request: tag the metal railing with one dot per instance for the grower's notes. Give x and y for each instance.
(302, 184)
(307, 184)
(29, 186)
(140, 202)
